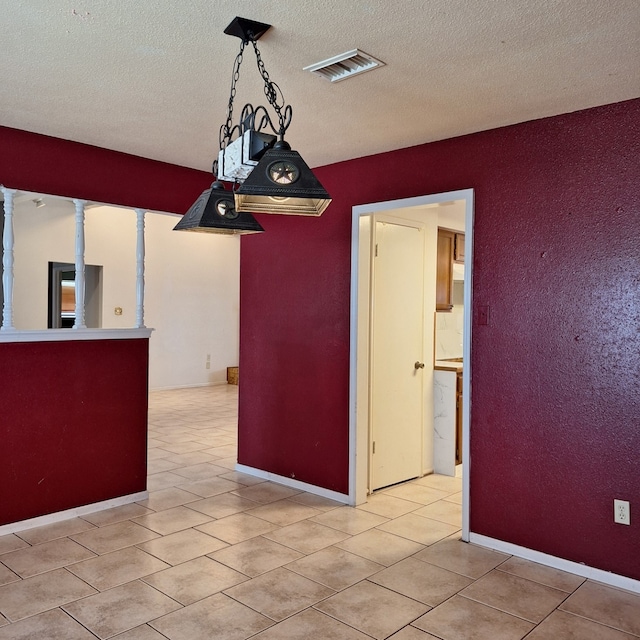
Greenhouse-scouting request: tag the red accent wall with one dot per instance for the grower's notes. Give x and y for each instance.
(555, 421)
(43, 164)
(555, 429)
(294, 353)
(73, 415)
(73, 424)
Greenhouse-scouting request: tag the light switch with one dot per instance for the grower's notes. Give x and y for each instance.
(483, 314)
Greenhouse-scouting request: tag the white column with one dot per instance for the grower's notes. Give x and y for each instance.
(80, 288)
(7, 261)
(140, 269)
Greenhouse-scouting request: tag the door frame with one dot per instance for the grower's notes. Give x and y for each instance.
(93, 293)
(359, 375)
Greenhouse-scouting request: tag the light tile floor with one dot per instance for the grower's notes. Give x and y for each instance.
(215, 554)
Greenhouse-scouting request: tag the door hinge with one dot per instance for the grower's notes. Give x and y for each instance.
(374, 446)
(376, 252)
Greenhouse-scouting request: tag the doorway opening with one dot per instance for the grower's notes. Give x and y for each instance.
(431, 212)
(61, 310)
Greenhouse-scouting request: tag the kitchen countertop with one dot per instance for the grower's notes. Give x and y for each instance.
(447, 365)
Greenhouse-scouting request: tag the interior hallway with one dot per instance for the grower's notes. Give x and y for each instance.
(216, 554)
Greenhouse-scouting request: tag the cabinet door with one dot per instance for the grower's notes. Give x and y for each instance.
(444, 270)
(458, 251)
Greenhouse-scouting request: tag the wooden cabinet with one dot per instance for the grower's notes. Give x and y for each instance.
(450, 250)
(444, 270)
(458, 248)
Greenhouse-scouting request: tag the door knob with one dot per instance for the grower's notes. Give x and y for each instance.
(419, 365)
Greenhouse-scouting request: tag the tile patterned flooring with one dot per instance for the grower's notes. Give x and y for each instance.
(217, 554)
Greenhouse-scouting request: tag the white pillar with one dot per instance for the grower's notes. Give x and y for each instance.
(140, 269)
(80, 288)
(7, 261)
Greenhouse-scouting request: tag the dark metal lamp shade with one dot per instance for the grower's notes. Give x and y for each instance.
(282, 183)
(214, 212)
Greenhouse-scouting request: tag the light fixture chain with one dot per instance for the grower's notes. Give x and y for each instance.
(273, 92)
(227, 128)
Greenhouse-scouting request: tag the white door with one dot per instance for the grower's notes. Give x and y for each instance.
(397, 331)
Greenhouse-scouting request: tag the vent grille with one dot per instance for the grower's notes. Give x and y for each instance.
(345, 65)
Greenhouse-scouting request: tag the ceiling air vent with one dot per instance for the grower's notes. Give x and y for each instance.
(344, 65)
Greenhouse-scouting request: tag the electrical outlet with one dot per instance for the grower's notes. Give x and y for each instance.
(208, 363)
(621, 513)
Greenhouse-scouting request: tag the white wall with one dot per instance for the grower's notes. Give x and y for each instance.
(42, 235)
(192, 296)
(450, 326)
(110, 241)
(191, 283)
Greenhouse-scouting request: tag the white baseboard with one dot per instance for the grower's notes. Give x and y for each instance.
(76, 512)
(294, 484)
(606, 577)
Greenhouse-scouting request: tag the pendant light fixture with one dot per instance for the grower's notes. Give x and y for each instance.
(272, 177)
(214, 212)
(281, 181)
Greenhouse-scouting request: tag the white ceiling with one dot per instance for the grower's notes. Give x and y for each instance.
(152, 77)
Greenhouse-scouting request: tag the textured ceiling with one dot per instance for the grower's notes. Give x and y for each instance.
(152, 77)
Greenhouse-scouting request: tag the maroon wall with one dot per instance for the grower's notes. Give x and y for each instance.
(73, 424)
(555, 417)
(33, 162)
(294, 354)
(555, 422)
(73, 414)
